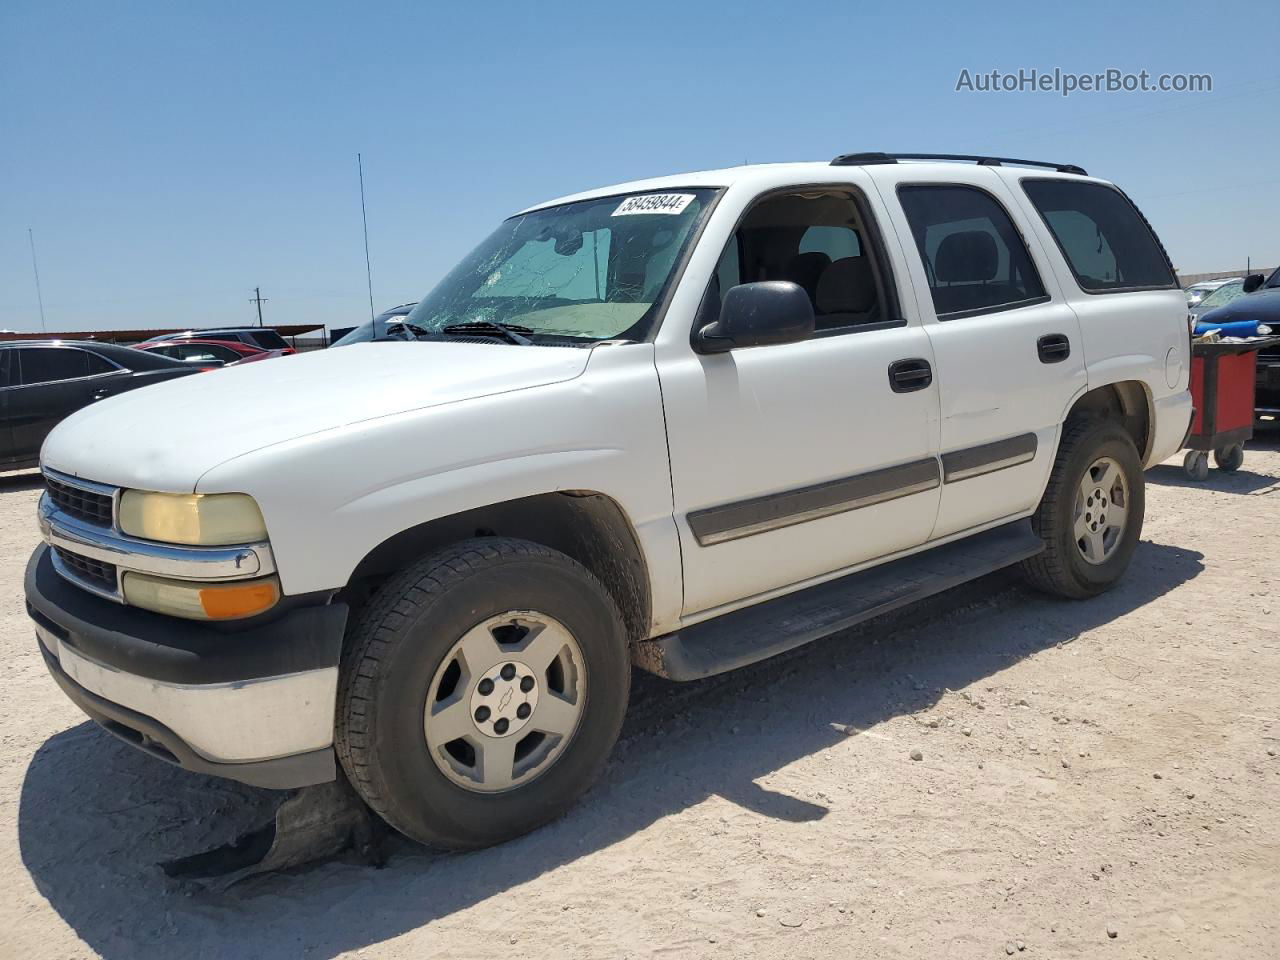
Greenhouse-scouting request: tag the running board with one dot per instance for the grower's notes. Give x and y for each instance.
(775, 626)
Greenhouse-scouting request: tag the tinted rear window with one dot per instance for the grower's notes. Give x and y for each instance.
(974, 257)
(50, 364)
(98, 365)
(268, 339)
(1103, 236)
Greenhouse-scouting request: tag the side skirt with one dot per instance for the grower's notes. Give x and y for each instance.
(775, 626)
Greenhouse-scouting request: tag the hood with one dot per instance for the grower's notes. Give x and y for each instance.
(1262, 305)
(166, 436)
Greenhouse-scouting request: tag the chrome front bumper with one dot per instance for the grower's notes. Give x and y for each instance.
(242, 721)
(254, 702)
(109, 545)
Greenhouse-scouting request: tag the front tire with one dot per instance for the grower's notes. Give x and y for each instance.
(481, 692)
(1091, 515)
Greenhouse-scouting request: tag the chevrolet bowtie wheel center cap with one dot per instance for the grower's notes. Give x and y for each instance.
(504, 699)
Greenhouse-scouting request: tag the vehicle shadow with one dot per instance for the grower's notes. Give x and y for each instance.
(95, 816)
(1244, 481)
(20, 480)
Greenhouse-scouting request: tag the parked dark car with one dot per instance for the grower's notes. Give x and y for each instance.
(1261, 302)
(42, 381)
(261, 338)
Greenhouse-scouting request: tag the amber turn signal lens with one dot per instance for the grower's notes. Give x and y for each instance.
(241, 600)
(200, 601)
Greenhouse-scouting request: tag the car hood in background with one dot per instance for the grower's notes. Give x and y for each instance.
(165, 437)
(1262, 305)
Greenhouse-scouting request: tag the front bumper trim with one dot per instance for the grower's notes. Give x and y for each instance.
(242, 721)
(209, 698)
(154, 738)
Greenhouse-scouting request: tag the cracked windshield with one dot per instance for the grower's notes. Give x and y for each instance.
(580, 272)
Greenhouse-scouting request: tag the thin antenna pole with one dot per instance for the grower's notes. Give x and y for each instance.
(36, 270)
(364, 218)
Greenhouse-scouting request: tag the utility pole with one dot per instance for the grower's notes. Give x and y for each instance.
(36, 270)
(259, 299)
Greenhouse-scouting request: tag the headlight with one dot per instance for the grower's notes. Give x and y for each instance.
(200, 601)
(192, 518)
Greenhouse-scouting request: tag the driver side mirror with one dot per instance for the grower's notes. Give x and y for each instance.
(1252, 282)
(756, 315)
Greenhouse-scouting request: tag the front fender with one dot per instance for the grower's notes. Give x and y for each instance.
(330, 498)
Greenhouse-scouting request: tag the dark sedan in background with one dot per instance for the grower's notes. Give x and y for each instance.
(1260, 301)
(42, 381)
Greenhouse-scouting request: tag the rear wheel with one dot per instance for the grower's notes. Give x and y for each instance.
(481, 692)
(1091, 515)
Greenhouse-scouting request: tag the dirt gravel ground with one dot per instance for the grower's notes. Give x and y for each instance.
(1088, 769)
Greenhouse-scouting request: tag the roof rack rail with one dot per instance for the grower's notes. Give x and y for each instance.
(871, 159)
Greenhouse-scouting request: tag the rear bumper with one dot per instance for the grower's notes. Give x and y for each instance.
(1172, 424)
(254, 704)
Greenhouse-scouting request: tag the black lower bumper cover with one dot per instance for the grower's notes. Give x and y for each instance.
(305, 633)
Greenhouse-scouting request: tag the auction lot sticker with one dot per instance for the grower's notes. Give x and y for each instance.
(654, 203)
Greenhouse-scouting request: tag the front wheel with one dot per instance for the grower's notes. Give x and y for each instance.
(481, 692)
(1091, 515)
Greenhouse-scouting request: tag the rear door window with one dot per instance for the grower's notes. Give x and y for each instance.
(51, 364)
(1105, 240)
(268, 340)
(973, 255)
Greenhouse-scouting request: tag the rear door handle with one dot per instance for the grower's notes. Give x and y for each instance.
(908, 375)
(1053, 347)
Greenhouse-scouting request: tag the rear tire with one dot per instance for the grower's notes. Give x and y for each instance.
(412, 638)
(1090, 517)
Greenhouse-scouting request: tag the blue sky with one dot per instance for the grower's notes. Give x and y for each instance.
(171, 157)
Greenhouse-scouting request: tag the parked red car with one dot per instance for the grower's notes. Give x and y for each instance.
(226, 352)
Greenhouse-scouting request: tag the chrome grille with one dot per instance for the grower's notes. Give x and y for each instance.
(79, 502)
(96, 572)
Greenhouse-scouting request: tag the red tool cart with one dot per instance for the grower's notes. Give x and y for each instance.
(1222, 383)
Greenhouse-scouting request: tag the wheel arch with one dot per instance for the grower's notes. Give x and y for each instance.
(586, 525)
(1129, 402)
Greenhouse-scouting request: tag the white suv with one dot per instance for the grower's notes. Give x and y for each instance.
(685, 423)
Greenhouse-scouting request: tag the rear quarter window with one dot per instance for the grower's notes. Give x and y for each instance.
(268, 340)
(1105, 240)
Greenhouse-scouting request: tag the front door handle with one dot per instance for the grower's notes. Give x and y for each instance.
(1053, 348)
(908, 375)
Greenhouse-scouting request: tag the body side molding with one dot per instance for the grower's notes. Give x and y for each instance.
(987, 458)
(731, 521)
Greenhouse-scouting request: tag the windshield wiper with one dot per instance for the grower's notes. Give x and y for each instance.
(513, 332)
